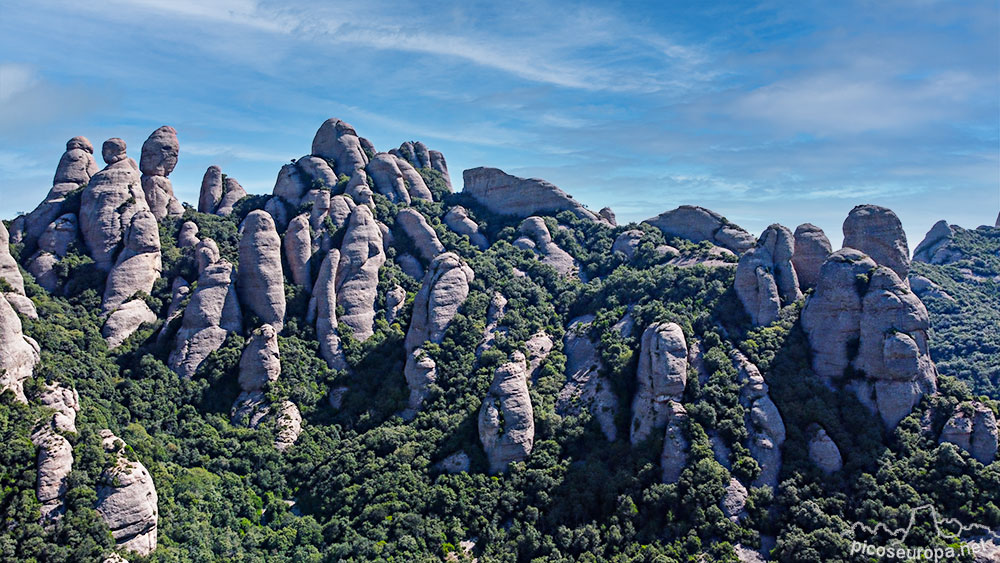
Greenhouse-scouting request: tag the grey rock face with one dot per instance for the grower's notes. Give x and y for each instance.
(811, 249)
(338, 141)
(973, 427)
(361, 256)
(585, 388)
(187, 236)
(125, 320)
(765, 276)
(627, 243)
(384, 171)
(10, 273)
(298, 250)
(53, 245)
(824, 452)
(698, 224)
(935, 248)
(108, 203)
(18, 353)
(537, 347)
(734, 501)
(358, 190)
(536, 237)
(127, 500)
(438, 163)
(395, 299)
(251, 409)
(506, 419)
(65, 402)
(324, 306)
(661, 377)
(156, 162)
(877, 232)
(212, 313)
(457, 462)
(459, 221)
(415, 226)
(504, 194)
(77, 164)
(444, 289)
(494, 315)
(211, 190)
(232, 192)
(55, 462)
(765, 427)
(138, 265)
(260, 361)
(673, 458)
(260, 284)
(926, 289)
(608, 215)
(415, 185)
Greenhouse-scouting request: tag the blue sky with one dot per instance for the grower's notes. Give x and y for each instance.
(764, 111)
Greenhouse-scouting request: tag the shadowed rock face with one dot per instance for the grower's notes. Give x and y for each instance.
(824, 452)
(698, 224)
(673, 458)
(765, 276)
(877, 232)
(323, 306)
(536, 237)
(973, 427)
(260, 284)
(18, 353)
(811, 249)
(765, 427)
(127, 500)
(298, 250)
(388, 178)
(260, 363)
(506, 419)
(138, 265)
(361, 256)
(504, 194)
(863, 316)
(662, 375)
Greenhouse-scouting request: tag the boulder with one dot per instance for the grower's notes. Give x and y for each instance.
(395, 299)
(157, 160)
(211, 190)
(536, 237)
(415, 226)
(661, 377)
(138, 265)
(260, 361)
(504, 194)
(627, 243)
(734, 501)
(438, 163)
(444, 289)
(125, 320)
(323, 308)
(415, 185)
(77, 164)
(187, 236)
(108, 203)
(64, 402)
(973, 427)
(698, 224)
(127, 500)
(608, 215)
(361, 256)
(18, 353)
(260, 284)
(537, 348)
(811, 249)
(459, 221)
(336, 140)
(251, 409)
(212, 313)
(55, 462)
(232, 192)
(766, 436)
(506, 418)
(298, 250)
(877, 232)
(673, 458)
(384, 171)
(936, 247)
(824, 452)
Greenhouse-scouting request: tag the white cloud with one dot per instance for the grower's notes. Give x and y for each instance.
(15, 79)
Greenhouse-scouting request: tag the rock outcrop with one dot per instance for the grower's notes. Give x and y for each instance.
(627, 243)
(252, 409)
(765, 427)
(212, 313)
(127, 500)
(936, 246)
(973, 427)
(673, 458)
(415, 226)
(585, 387)
(459, 221)
(187, 236)
(811, 249)
(125, 320)
(361, 256)
(388, 178)
(55, 462)
(444, 289)
(506, 418)
(219, 193)
(10, 273)
(765, 276)
(53, 245)
(108, 203)
(415, 185)
(441, 165)
(823, 451)
(877, 232)
(18, 353)
(338, 141)
(298, 250)
(260, 285)
(734, 501)
(156, 161)
(661, 377)
(698, 224)
(504, 194)
(323, 308)
(536, 237)
(863, 316)
(395, 300)
(138, 265)
(64, 402)
(260, 362)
